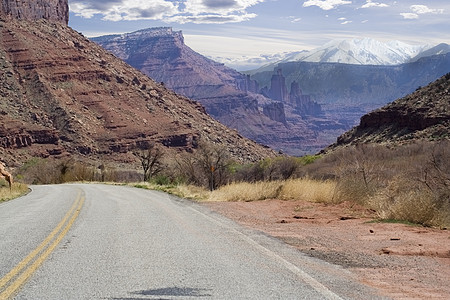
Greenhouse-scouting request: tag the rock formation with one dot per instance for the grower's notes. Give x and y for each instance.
(63, 95)
(303, 103)
(275, 111)
(227, 95)
(52, 10)
(8, 177)
(278, 90)
(424, 114)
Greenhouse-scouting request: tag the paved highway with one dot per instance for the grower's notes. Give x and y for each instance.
(81, 241)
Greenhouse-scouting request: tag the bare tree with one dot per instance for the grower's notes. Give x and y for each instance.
(213, 161)
(151, 160)
(208, 166)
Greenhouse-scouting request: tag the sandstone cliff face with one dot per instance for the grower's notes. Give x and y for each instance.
(61, 94)
(275, 111)
(424, 114)
(52, 10)
(227, 95)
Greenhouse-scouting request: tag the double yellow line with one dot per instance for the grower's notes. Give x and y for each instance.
(12, 281)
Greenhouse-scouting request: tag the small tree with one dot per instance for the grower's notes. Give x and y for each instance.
(208, 166)
(213, 161)
(151, 160)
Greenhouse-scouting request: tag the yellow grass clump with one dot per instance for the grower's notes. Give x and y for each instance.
(191, 192)
(244, 191)
(17, 190)
(295, 189)
(309, 190)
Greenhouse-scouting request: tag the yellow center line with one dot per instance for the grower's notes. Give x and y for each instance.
(15, 285)
(30, 256)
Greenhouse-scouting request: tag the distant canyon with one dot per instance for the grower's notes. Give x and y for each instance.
(297, 107)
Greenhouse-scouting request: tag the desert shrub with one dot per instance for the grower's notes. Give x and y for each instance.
(49, 171)
(270, 169)
(403, 200)
(161, 180)
(407, 182)
(249, 173)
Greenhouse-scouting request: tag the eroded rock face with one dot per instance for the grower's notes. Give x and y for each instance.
(229, 96)
(275, 111)
(61, 94)
(424, 114)
(31, 10)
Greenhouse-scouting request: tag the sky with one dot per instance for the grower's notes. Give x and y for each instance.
(243, 33)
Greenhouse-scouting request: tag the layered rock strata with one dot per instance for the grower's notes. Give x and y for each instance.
(52, 10)
(61, 94)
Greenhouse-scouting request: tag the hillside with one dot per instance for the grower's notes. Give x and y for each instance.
(422, 115)
(63, 95)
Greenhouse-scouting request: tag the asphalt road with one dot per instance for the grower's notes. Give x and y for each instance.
(82, 241)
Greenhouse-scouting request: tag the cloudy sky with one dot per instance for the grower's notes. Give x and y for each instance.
(236, 30)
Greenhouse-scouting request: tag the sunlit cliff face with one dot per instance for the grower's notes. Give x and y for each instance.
(52, 10)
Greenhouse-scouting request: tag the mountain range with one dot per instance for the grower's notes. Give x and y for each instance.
(361, 52)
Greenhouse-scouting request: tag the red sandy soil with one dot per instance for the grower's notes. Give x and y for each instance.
(401, 261)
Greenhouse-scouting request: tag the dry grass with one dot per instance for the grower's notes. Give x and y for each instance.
(190, 192)
(408, 183)
(292, 189)
(401, 200)
(181, 190)
(244, 191)
(18, 189)
(309, 190)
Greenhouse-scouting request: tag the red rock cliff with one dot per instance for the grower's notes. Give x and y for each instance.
(52, 10)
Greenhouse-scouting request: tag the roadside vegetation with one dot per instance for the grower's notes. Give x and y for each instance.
(409, 183)
(17, 189)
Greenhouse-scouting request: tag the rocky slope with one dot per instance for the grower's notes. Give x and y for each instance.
(61, 94)
(227, 95)
(424, 114)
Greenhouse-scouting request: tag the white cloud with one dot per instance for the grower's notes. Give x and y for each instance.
(211, 18)
(326, 4)
(409, 16)
(420, 10)
(423, 9)
(117, 10)
(294, 19)
(182, 11)
(197, 7)
(369, 4)
(344, 21)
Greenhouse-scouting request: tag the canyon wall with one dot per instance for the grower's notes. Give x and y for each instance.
(52, 10)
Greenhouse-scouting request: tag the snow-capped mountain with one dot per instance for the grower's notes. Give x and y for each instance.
(361, 52)
(436, 50)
